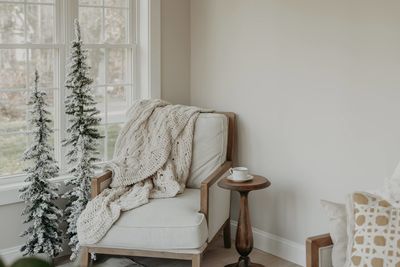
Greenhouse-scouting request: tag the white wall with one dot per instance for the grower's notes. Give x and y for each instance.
(11, 225)
(316, 86)
(175, 51)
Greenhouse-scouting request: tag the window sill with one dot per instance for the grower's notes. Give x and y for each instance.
(9, 193)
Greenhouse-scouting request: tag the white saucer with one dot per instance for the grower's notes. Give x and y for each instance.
(249, 177)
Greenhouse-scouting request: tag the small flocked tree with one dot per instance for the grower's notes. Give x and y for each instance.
(82, 136)
(42, 215)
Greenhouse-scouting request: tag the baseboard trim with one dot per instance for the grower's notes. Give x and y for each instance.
(276, 245)
(9, 255)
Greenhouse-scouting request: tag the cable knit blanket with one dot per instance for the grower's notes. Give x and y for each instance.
(152, 158)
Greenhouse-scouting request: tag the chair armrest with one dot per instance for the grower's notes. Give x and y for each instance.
(208, 182)
(100, 183)
(313, 246)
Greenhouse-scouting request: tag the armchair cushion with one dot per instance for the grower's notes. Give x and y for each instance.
(209, 146)
(168, 223)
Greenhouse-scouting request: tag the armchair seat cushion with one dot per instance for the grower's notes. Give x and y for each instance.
(169, 223)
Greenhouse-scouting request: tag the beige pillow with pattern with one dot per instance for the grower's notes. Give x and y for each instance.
(374, 232)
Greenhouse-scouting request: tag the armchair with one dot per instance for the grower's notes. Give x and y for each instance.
(183, 226)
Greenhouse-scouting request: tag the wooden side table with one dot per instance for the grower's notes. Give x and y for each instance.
(244, 234)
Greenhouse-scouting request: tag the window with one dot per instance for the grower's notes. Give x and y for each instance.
(106, 31)
(28, 41)
(34, 34)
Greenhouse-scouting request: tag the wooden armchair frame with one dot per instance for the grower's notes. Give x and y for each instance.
(313, 245)
(103, 181)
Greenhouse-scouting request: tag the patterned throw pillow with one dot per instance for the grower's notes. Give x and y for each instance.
(374, 233)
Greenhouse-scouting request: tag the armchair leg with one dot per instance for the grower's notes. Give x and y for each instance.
(196, 260)
(84, 257)
(227, 233)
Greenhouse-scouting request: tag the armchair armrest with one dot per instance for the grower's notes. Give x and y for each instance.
(314, 245)
(208, 182)
(100, 183)
(215, 201)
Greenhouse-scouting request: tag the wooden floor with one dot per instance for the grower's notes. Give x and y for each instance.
(218, 256)
(215, 256)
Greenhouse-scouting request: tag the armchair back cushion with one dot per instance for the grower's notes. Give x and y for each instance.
(209, 146)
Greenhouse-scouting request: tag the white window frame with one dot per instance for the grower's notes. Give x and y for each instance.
(146, 72)
(149, 48)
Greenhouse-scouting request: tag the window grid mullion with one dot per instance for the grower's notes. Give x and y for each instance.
(28, 2)
(57, 94)
(106, 55)
(57, 106)
(31, 46)
(25, 24)
(104, 6)
(103, 29)
(27, 83)
(111, 84)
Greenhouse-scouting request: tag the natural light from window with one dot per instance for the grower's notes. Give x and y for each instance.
(34, 35)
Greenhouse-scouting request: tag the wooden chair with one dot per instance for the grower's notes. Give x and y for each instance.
(212, 201)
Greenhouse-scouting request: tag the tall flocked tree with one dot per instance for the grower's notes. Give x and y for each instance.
(42, 215)
(82, 136)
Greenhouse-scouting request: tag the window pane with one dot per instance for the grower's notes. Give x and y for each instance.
(90, 19)
(96, 63)
(12, 21)
(13, 111)
(40, 23)
(112, 134)
(12, 68)
(116, 3)
(43, 61)
(42, 1)
(91, 2)
(12, 147)
(99, 98)
(117, 65)
(115, 23)
(116, 104)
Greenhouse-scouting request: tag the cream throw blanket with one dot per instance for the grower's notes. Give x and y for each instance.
(152, 158)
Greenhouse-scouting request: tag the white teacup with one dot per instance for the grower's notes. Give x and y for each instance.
(239, 173)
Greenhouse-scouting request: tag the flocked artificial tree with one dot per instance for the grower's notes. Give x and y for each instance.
(82, 136)
(42, 215)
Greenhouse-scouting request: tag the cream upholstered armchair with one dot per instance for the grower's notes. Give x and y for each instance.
(183, 226)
